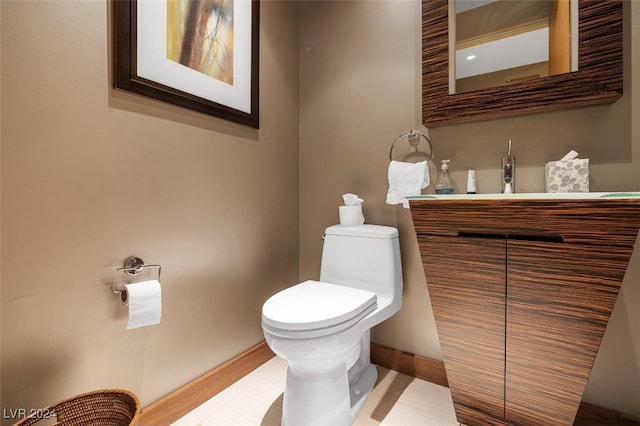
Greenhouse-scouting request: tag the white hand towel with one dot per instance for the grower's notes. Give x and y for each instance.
(406, 179)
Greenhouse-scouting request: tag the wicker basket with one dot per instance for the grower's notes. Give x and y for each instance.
(107, 407)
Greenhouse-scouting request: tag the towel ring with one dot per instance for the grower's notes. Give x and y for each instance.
(414, 138)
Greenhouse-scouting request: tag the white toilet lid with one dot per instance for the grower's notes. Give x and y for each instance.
(314, 304)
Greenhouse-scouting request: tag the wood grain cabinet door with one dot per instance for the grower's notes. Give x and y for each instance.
(559, 298)
(466, 285)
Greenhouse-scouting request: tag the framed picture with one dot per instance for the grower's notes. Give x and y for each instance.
(197, 54)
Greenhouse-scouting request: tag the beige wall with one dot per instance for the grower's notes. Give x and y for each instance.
(90, 176)
(360, 89)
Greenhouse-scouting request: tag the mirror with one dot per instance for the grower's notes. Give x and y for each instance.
(501, 41)
(598, 78)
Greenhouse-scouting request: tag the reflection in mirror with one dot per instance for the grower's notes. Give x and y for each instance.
(496, 42)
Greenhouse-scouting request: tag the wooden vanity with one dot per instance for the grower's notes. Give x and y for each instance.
(522, 288)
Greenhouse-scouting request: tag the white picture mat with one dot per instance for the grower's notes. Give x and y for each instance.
(153, 63)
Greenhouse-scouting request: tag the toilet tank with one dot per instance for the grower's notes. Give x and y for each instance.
(365, 257)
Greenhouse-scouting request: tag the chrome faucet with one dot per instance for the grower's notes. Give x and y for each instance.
(508, 180)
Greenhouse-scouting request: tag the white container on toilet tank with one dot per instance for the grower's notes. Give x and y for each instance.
(351, 213)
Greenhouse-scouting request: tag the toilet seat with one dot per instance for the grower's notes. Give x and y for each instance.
(313, 308)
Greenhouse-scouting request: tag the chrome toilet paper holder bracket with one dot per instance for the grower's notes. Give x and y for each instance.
(134, 266)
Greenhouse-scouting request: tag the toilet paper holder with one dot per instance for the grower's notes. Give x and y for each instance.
(133, 266)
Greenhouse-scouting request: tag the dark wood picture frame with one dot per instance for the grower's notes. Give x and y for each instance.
(598, 79)
(125, 73)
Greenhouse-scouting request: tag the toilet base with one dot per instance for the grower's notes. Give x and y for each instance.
(316, 395)
(321, 391)
(312, 399)
(361, 388)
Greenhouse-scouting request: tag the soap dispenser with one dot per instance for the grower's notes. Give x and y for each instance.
(444, 185)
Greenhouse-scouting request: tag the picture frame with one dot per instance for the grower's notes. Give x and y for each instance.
(202, 55)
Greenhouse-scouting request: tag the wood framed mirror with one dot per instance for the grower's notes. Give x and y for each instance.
(598, 78)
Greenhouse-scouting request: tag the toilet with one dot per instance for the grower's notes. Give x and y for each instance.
(321, 328)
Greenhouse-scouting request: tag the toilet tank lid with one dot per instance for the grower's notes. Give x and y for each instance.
(367, 231)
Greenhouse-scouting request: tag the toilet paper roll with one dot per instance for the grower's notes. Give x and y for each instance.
(145, 303)
(351, 215)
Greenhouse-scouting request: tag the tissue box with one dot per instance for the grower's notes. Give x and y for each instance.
(567, 176)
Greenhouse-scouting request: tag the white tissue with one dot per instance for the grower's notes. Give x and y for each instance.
(352, 200)
(571, 155)
(406, 179)
(145, 303)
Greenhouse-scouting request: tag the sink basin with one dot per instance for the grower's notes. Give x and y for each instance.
(529, 196)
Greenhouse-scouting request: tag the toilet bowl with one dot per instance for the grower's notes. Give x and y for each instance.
(321, 328)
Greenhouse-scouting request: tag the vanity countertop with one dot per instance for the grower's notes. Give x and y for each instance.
(530, 196)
